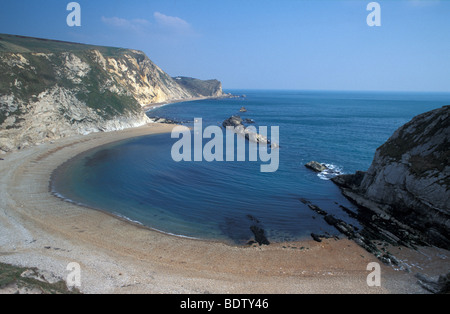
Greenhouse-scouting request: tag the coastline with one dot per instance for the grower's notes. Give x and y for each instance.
(150, 107)
(117, 256)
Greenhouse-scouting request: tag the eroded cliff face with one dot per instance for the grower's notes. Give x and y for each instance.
(51, 89)
(199, 87)
(408, 181)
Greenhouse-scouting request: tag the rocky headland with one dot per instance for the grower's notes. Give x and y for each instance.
(52, 89)
(407, 185)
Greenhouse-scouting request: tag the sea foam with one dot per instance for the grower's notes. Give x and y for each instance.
(331, 172)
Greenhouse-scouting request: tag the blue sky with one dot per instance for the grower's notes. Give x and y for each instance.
(263, 44)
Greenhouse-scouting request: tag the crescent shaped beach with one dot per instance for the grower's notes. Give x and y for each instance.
(117, 256)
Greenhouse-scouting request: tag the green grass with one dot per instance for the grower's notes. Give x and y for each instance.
(107, 103)
(42, 74)
(23, 44)
(437, 160)
(46, 72)
(10, 275)
(200, 87)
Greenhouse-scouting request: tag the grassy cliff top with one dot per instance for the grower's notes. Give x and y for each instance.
(26, 78)
(15, 278)
(23, 44)
(200, 87)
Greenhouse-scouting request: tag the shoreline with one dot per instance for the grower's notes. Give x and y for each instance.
(150, 107)
(117, 256)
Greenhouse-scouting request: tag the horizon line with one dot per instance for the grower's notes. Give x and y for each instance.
(274, 89)
(337, 90)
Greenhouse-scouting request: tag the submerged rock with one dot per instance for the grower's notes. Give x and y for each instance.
(236, 229)
(316, 237)
(258, 231)
(246, 230)
(259, 234)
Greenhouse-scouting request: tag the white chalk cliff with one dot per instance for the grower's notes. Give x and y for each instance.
(51, 89)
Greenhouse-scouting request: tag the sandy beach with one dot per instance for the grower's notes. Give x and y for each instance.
(40, 230)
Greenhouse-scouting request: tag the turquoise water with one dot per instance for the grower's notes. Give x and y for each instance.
(138, 179)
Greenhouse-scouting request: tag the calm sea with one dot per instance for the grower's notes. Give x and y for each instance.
(137, 179)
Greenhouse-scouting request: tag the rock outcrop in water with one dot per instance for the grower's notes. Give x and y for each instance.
(316, 166)
(239, 128)
(51, 89)
(408, 182)
(325, 171)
